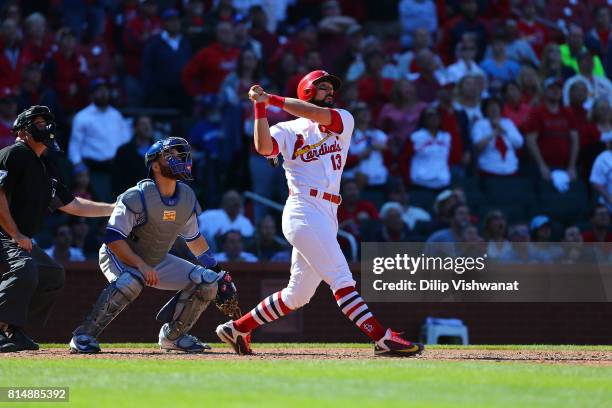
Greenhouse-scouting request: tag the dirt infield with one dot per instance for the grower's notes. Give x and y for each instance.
(582, 357)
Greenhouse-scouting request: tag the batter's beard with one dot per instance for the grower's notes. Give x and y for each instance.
(323, 103)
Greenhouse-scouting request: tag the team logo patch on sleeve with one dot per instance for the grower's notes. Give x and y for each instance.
(169, 216)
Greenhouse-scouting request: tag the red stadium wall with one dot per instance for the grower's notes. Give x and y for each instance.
(321, 321)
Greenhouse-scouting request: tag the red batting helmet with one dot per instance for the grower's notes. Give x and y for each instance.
(306, 87)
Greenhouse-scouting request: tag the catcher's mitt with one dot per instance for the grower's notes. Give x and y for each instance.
(227, 297)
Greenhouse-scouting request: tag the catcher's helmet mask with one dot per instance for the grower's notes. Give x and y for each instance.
(307, 88)
(45, 135)
(177, 154)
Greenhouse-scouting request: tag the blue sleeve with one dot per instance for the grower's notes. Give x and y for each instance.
(113, 235)
(121, 222)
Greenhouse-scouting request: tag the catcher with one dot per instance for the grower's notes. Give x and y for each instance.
(147, 219)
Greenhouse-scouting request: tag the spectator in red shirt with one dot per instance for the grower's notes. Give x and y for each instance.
(353, 210)
(565, 12)
(514, 108)
(285, 69)
(332, 32)
(304, 39)
(37, 41)
(551, 137)
(34, 92)
(13, 58)
(137, 32)
(259, 31)
(456, 123)
(600, 122)
(373, 88)
(67, 72)
(400, 117)
(8, 113)
(427, 84)
(600, 226)
(496, 9)
(80, 182)
(530, 29)
(530, 85)
(577, 96)
(99, 58)
(207, 69)
(406, 62)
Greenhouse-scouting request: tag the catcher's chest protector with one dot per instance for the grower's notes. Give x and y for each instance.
(159, 223)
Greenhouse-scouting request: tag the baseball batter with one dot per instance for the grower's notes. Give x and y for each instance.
(314, 148)
(146, 221)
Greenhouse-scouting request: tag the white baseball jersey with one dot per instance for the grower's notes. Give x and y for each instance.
(313, 155)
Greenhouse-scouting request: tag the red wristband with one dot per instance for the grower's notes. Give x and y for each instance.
(260, 110)
(277, 101)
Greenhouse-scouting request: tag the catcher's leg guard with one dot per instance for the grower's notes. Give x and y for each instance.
(113, 299)
(182, 311)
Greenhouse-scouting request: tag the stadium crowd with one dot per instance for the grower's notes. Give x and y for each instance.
(475, 121)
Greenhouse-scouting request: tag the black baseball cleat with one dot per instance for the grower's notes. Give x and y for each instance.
(394, 345)
(6, 345)
(21, 340)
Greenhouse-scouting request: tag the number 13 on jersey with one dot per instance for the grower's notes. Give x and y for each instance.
(336, 160)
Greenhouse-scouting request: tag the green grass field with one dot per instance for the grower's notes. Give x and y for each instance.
(108, 382)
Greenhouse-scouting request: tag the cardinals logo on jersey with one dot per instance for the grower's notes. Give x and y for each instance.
(299, 142)
(312, 152)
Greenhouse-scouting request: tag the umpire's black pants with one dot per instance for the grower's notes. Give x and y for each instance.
(30, 282)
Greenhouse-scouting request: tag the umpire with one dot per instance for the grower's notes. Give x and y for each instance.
(30, 280)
